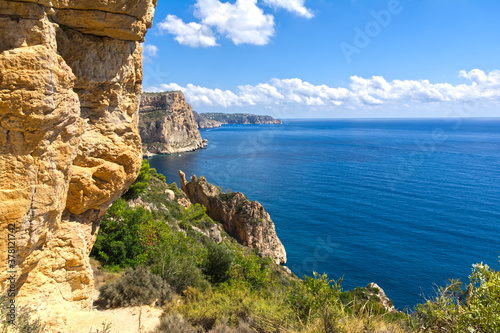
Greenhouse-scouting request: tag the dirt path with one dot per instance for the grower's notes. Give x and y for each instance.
(122, 320)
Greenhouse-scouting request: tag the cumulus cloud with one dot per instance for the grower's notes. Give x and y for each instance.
(361, 92)
(150, 50)
(241, 21)
(190, 34)
(294, 6)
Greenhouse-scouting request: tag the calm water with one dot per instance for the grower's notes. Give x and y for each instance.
(403, 203)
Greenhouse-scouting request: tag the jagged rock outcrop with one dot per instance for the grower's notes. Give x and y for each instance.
(374, 290)
(239, 118)
(70, 86)
(245, 220)
(204, 122)
(167, 124)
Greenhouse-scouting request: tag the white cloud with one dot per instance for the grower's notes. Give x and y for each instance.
(190, 34)
(361, 93)
(481, 78)
(150, 50)
(294, 6)
(242, 22)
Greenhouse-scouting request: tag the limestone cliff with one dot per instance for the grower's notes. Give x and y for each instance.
(245, 220)
(70, 86)
(167, 124)
(204, 122)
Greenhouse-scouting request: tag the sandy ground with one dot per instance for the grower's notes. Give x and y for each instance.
(123, 320)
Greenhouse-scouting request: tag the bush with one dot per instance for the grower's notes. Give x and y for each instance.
(174, 324)
(141, 183)
(253, 270)
(119, 239)
(134, 287)
(314, 295)
(218, 263)
(196, 215)
(474, 308)
(176, 258)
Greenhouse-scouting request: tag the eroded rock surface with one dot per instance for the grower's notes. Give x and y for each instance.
(167, 124)
(245, 220)
(374, 290)
(70, 86)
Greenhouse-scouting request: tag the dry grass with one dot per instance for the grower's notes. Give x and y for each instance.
(102, 277)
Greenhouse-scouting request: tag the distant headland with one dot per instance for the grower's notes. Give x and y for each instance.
(211, 120)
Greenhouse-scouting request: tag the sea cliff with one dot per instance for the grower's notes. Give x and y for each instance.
(167, 124)
(245, 220)
(70, 87)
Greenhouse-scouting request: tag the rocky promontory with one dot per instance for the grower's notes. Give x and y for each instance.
(245, 220)
(210, 120)
(167, 124)
(204, 122)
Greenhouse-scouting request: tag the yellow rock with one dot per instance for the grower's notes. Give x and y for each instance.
(70, 86)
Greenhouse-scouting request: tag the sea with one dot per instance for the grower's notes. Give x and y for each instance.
(404, 203)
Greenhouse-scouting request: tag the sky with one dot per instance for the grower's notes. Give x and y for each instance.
(329, 58)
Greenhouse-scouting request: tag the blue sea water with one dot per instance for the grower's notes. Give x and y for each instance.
(403, 203)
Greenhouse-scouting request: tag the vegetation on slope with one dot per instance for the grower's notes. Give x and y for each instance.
(209, 283)
(239, 118)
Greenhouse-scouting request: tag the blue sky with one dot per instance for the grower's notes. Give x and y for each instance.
(319, 58)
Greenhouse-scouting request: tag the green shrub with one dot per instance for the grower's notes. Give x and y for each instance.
(118, 242)
(473, 308)
(219, 260)
(227, 196)
(177, 259)
(314, 295)
(197, 215)
(141, 182)
(174, 188)
(253, 270)
(158, 175)
(134, 287)
(174, 324)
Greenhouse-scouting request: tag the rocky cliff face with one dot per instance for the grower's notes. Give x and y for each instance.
(167, 124)
(245, 220)
(70, 86)
(204, 122)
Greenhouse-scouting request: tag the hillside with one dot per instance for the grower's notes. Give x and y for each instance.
(212, 283)
(206, 120)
